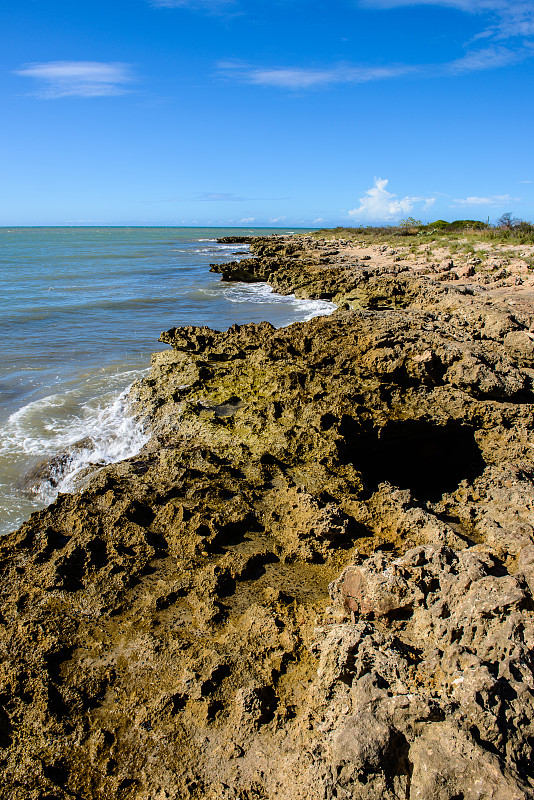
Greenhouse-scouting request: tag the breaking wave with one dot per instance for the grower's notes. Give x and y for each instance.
(62, 435)
(82, 311)
(262, 293)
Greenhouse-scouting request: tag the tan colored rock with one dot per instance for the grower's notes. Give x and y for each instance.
(520, 346)
(168, 632)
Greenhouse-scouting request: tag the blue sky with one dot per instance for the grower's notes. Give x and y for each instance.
(248, 112)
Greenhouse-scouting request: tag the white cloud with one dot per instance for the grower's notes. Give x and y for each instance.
(491, 200)
(277, 219)
(318, 220)
(309, 77)
(379, 205)
(78, 78)
(247, 220)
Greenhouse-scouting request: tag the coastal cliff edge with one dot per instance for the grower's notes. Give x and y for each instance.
(316, 580)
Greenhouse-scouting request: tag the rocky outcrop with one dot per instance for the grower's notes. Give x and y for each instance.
(314, 582)
(236, 239)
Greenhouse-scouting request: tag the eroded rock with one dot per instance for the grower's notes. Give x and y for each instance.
(169, 633)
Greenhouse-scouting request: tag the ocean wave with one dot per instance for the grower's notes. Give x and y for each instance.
(260, 294)
(63, 436)
(243, 248)
(223, 248)
(110, 434)
(263, 293)
(315, 308)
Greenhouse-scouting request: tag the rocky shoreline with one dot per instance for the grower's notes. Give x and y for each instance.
(316, 580)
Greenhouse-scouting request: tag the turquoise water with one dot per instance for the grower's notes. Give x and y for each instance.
(81, 311)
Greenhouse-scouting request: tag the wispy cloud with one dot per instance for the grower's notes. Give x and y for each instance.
(209, 197)
(487, 58)
(195, 5)
(492, 200)
(464, 5)
(308, 77)
(379, 205)
(506, 36)
(78, 78)
(220, 196)
(508, 18)
(295, 78)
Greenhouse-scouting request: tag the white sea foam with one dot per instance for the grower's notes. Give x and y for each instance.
(235, 248)
(110, 434)
(73, 434)
(82, 418)
(262, 293)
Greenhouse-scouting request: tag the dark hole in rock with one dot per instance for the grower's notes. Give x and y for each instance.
(426, 458)
(255, 567)
(214, 708)
(57, 773)
(233, 533)
(111, 766)
(98, 553)
(218, 675)
(72, 568)
(327, 421)
(56, 703)
(140, 514)
(6, 729)
(178, 703)
(55, 659)
(387, 547)
(165, 601)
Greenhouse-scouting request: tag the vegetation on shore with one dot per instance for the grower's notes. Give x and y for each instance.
(507, 230)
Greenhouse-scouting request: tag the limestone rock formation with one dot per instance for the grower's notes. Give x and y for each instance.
(316, 579)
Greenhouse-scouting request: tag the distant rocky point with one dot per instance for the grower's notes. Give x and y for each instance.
(236, 239)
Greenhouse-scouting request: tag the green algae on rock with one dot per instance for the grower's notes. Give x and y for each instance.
(315, 581)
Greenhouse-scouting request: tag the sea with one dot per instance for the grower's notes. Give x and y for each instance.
(81, 310)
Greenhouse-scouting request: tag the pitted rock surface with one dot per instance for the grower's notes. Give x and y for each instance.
(316, 579)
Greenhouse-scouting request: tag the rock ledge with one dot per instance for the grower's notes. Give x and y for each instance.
(316, 579)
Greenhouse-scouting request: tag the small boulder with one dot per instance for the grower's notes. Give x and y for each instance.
(520, 346)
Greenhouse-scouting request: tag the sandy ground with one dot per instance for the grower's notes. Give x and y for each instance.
(504, 273)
